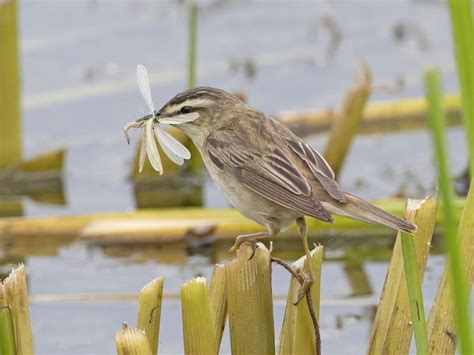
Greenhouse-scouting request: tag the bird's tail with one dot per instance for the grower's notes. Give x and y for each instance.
(361, 210)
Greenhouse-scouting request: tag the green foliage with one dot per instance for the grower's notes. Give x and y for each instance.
(456, 265)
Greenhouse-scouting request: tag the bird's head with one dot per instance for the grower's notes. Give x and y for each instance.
(215, 108)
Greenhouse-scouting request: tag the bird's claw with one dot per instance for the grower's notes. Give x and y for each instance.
(239, 242)
(305, 286)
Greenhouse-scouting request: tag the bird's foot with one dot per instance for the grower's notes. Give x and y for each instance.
(241, 239)
(308, 281)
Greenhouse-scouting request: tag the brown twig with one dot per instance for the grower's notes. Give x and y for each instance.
(309, 301)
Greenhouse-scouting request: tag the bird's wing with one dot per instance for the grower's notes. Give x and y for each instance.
(269, 173)
(318, 167)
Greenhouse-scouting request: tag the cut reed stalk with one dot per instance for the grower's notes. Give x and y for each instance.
(462, 26)
(383, 116)
(298, 334)
(7, 335)
(198, 331)
(149, 311)
(218, 302)
(441, 322)
(132, 341)
(15, 295)
(392, 327)
(250, 305)
(345, 125)
(456, 262)
(10, 120)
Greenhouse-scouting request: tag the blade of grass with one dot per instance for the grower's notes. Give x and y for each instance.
(415, 294)
(441, 323)
(7, 336)
(463, 32)
(456, 264)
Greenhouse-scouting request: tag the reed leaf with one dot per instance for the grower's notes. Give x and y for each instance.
(456, 263)
(149, 311)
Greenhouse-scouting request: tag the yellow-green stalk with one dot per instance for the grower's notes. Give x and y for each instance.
(149, 311)
(218, 302)
(392, 327)
(132, 341)
(198, 332)
(346, 123)
(462, 26)
(298, 334)
(250, 306)
(15, 295)
(7, 335)
(10, 120)
(456, 263)
(441, 321)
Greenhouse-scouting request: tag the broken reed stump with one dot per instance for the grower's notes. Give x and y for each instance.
(14, 294)
(132, 341)
(218, 302)
(392, 328)
(250, 304)
(346, 122)
(198, 333)
(149, 311)
(298, 334)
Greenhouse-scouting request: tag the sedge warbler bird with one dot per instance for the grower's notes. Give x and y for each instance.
(267, 173)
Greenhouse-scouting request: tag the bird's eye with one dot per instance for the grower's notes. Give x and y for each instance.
(186, 109)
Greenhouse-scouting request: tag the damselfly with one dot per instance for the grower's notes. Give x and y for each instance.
(154, 130)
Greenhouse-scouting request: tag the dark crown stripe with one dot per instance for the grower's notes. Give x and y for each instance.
(197, 93)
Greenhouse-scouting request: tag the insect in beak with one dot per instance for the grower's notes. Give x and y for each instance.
(154, 131)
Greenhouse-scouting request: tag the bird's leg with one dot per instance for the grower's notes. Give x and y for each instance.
(273, 229)
(308, 279)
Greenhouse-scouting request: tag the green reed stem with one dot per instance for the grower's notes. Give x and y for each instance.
(193, 11)
(456, 265)
(415, 294)
(463, 33)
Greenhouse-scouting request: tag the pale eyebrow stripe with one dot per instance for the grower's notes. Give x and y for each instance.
(190, 102)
